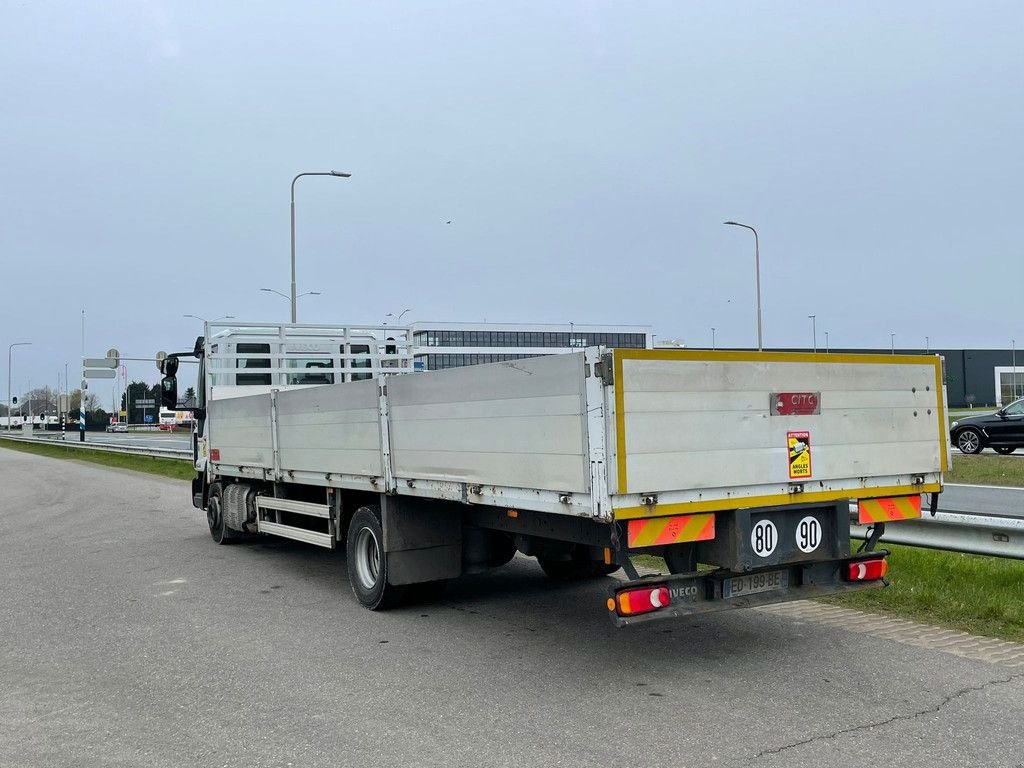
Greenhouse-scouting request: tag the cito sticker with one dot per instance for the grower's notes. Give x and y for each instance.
(799, 454)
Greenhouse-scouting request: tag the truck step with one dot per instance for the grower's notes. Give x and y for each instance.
(299, 534)
(295, 507)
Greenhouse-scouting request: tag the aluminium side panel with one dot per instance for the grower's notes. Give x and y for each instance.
(330, 429)
(239, 427)
(519, 424)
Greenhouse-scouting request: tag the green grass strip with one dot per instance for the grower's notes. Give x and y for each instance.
(983, 469)
(972, 593)
(174, 468)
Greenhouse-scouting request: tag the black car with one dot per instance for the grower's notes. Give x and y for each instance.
(1003, 431)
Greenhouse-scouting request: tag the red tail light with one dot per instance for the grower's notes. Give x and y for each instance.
(215, 454)
(867, 570)
(631, 602)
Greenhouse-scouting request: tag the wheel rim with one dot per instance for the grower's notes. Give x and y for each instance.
(367, 553)
(968, 441)
(213, 513)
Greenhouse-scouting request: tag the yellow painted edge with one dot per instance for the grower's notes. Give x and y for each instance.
(620, 421)
(751, 356)
(770, 357)
(943, 430)
(715, 505)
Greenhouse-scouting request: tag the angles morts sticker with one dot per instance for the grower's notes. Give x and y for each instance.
(799, 444)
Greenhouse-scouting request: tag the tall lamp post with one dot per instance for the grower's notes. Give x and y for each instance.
(757, 277)
(814, 333)
(9, 350)
(826, 343)
(203, 319)
(892, 343)
(339, 174)
(307, 293)
(712, 338)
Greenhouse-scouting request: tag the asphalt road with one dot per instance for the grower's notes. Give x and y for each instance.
(127, 638)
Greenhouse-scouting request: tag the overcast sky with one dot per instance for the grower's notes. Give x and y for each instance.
(585, 153)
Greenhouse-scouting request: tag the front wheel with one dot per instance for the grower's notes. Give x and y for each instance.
(969, 441)
(1005, 450)
(220, 533)
(367, 561)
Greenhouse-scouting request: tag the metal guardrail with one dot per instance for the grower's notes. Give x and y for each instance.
(979, 520)
(180, 454)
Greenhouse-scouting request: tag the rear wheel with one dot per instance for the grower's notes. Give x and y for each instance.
(969, 440)
(220, 533)
(367, 561)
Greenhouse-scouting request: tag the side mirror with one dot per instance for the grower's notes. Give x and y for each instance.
(169, 392)
(169, 366)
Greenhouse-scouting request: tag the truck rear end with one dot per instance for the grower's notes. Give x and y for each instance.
(741, 469)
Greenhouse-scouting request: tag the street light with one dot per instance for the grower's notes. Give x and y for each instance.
(712, 338)
(757, 274)
(283, 296)
(9, 350)
(892, 343)
(826, 342)
(814, 333)
(402, 314)
(339, 174)
(223, 317)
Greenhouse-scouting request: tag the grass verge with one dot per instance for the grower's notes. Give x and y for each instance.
(982, 469)
(179, 470)
(972, 593)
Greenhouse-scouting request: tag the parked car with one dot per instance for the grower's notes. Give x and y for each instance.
(1002, 431)
(119, 427)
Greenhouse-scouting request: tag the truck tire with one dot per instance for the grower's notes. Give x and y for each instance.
(573, 570)
(220, 533)
(367, 561)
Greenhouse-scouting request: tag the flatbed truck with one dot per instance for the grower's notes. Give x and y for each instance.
(742, 470)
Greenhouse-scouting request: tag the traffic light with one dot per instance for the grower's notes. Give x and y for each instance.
(14, 401)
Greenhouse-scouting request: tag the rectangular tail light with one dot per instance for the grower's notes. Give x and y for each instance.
(632, 602)
(867, 570)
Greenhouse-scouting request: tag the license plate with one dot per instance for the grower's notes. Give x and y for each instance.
(753, 583)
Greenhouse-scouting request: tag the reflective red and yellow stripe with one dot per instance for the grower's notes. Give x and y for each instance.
(886, 510)
(659, 531)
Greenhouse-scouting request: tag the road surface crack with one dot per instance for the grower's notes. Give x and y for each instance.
(895, 718)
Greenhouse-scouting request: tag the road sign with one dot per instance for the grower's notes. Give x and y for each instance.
(145, 403)
(149, 418)
(100, 362)
(98, 373)
(63, 403)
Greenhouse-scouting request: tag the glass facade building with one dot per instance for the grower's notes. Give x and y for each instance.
(437, 346)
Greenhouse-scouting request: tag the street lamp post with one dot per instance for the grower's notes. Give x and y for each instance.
(826, 342)
(814, 333)
(892, 343)
(339, 174)
(203, 319)
(712, 338)
(293, 298)
(9, 350)
(401, 314)
(757, 277)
